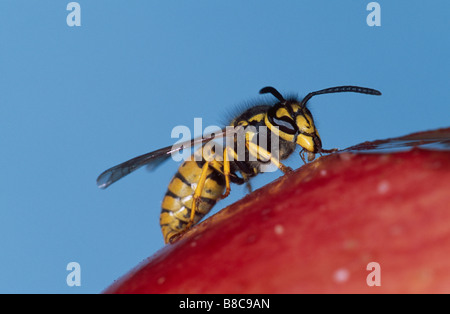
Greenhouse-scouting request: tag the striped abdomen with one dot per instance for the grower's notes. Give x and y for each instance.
(177, 203)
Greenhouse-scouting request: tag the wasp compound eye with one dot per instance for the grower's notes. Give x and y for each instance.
(285, 125)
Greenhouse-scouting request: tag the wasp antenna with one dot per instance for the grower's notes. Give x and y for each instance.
(273, 91)
(341, 89)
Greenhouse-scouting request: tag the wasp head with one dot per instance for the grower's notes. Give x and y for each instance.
(294, 121)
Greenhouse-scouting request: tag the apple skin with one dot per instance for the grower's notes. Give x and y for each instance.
(315, 230)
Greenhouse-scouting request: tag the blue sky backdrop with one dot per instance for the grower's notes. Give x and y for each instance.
(75, 101)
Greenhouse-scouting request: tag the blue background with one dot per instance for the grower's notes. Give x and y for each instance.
(75, 101)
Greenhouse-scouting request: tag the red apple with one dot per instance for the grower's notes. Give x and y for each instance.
(316, 230)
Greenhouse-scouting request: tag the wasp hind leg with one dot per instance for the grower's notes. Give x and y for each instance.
(197, 194)
(196, 198)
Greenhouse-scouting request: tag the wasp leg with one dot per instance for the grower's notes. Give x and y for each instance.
(198, 193)
(302, 155)
(329, 151)
(226, 172)
(246, 178)
(256, 151)
(247, 183)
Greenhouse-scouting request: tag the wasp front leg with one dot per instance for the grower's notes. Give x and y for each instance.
(328, 151)
(310, 156)
(302, 155)
(258, 151)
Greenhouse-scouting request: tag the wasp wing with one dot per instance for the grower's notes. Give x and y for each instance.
(115, 173)
(153, 159)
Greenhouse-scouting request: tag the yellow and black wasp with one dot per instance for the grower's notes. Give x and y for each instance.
(203, 180)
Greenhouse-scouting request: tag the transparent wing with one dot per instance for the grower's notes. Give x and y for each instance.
(153, 159)
(115, 173)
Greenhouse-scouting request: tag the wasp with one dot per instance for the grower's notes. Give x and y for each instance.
(202, 181)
